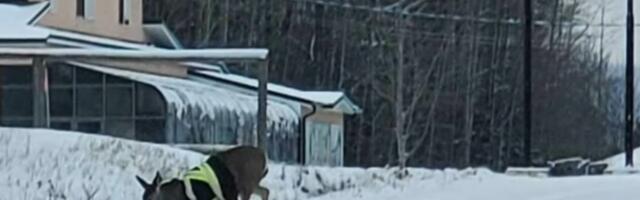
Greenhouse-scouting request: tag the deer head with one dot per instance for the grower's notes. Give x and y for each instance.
(151, 190)
(157, 190)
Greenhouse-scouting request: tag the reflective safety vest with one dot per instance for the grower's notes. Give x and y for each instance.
(205, 174)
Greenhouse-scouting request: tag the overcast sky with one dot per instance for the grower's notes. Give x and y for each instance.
(615, 12)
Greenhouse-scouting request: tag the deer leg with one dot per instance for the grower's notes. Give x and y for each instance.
(245, 196)
(262, 192)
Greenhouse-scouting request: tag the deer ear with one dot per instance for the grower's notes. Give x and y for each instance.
(158, 179)
(142, 182)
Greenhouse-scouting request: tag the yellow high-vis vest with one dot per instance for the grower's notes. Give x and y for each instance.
(203, 173)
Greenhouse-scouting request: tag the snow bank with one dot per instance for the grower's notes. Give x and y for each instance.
(46, 164)
(52, 165)
(618, 162)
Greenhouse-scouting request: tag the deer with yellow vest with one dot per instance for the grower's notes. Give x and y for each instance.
(224, 176)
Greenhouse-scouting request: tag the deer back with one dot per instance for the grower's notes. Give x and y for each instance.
(247, 164)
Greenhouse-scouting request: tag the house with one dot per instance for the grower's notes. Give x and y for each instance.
(181, 102)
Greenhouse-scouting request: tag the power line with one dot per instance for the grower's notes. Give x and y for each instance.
(450, 17)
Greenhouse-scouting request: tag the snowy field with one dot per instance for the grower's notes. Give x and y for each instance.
(52, 165)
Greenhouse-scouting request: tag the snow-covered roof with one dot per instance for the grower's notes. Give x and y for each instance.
(161, 35)
(15, 21)
(15, 14)
(327, 99)
(221, 54)
(71, 39)
(184, 93)
(22, 33)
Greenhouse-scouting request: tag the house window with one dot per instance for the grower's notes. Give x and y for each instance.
(85, 8)
(16, 96)
(80, 8)
(125, 11)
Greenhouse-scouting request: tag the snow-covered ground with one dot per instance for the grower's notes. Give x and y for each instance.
(51, 165)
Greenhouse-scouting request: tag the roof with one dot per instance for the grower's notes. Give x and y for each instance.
(327, 99)
(21, 16)
(161, 35)
(184, 94)
(218, 54)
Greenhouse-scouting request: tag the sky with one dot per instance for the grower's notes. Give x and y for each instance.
(615, 12)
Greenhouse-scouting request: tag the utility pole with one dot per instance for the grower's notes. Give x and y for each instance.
(528, 12)
(629, 119)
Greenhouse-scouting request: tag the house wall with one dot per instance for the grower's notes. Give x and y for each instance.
(327, 116)
(62, 15)
(324, 138)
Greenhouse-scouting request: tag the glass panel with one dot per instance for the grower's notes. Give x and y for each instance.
(90, 127)
(25, 123)
(116, 80)
(17, 102)
(80, 8)
(120, 128)
(149, 102)
(60, 74)
(61, 104)
(61, 125)
(151, 130)
(84, 76)
(119, 102)
(16, 75)
(89, 102)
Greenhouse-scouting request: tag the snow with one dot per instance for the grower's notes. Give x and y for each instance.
(324, 98)
(15, 19)
(443, 186)
(618, 162)
(47, 164)
(92, 39)
(223, 54)
(21, 32)
(41, 164)
(13, 14)
(161, 34)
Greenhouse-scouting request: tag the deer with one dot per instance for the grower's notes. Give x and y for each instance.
(246, 165)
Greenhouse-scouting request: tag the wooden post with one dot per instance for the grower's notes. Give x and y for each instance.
(40, 94)
(262, 105)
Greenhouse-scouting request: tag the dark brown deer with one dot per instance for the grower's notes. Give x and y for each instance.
(247, 166)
